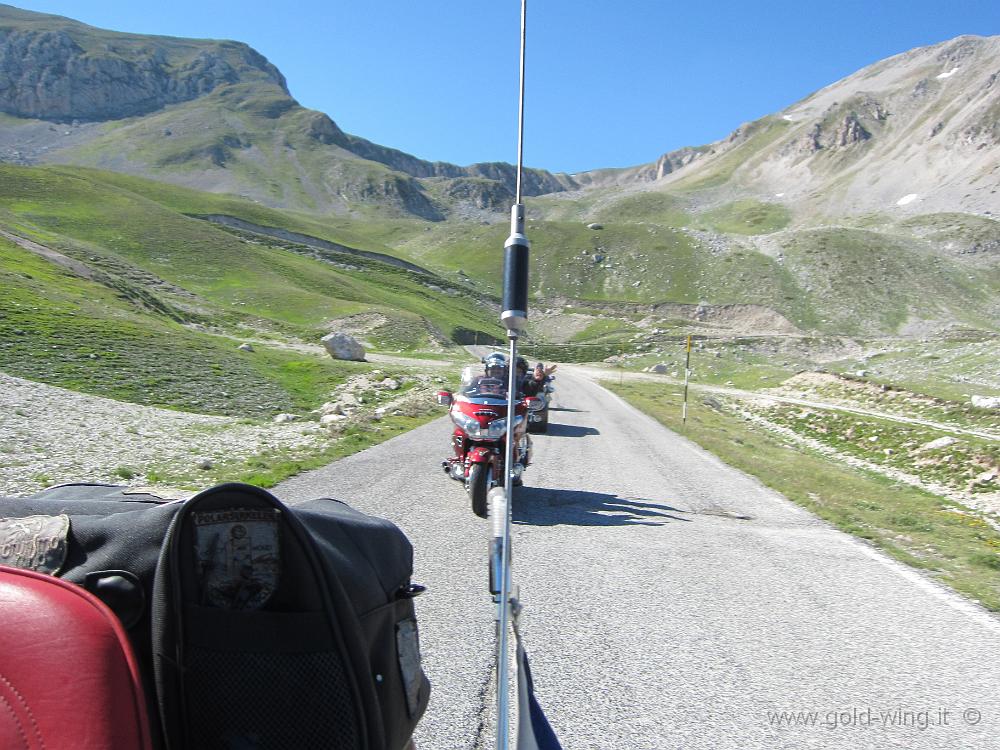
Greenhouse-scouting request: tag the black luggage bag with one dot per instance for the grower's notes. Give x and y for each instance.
(258, 626)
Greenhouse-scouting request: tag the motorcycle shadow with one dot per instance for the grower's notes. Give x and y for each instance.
(570, 430)
(545, 506)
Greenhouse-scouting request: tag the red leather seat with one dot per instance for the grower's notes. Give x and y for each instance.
(68, 679)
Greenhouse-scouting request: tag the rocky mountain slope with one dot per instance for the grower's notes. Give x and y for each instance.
(55, 69)
(213, 115)
(915, 133)
(849, 211)
(868, 208)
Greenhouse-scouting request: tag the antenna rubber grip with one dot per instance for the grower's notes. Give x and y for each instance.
(515, 273)
(515, 283)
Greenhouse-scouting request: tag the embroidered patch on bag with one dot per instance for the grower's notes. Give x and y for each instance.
(408, 647)
(238, 556)
(34, 542)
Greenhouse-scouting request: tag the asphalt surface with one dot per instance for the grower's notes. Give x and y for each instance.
(672, 601)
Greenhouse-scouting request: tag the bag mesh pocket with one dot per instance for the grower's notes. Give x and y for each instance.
(269, 701)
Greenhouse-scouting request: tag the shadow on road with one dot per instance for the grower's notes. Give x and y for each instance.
(570, 430)
(542, 506)
(566, 408)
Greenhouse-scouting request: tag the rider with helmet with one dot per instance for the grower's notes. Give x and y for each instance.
(492, 382)
(495, 366)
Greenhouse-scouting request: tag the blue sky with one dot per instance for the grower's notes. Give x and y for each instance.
(609, 84)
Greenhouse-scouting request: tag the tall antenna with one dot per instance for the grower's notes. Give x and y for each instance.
(515, 261)
(514, 317)
(520, 105)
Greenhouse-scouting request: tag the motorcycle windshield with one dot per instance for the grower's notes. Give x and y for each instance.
(484, 387)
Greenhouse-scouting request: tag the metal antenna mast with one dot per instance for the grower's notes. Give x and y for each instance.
(514, 317)
(520, 105)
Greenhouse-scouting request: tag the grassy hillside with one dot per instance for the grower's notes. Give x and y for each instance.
(60, 329)
(378, 235)
(158, 300)
(252, 140)
(654, 248)
(572, 261)
(835, 280)
(642, 242)
(838, 215)
(84, 216)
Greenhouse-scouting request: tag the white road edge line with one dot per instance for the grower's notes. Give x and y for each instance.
(953, 599)
(949, 597)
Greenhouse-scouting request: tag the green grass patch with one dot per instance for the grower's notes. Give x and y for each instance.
(126, 333)
(379, 235)
(661, 208)
(83, 211)
(570, 352)
(748, 363)
(862, 282)
(59, 329)
(745, 217)
(608, 330)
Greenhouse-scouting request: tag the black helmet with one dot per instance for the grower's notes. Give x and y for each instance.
(522, 364)
(495, 365)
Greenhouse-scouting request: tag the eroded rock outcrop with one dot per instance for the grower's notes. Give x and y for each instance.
(850, 131)
(53, 75)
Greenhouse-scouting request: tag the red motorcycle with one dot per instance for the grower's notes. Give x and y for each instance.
(479, 411)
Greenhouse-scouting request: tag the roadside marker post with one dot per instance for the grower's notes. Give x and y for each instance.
(687, 377)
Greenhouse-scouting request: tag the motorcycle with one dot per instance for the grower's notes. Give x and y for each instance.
(538, 420)
(479, 411)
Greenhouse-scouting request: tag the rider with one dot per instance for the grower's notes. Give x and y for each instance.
(534, 383)
(494, 378)
(495, 365)
(522, 375)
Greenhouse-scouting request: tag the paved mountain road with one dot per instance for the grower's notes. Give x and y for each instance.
(673, 602)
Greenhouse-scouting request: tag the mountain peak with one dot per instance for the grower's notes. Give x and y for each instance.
(54, 68)
(915, 132)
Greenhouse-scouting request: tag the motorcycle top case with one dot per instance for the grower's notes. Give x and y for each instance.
(257, 625)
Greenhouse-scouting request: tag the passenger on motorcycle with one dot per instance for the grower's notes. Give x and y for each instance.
(522, 376)
(535, 383)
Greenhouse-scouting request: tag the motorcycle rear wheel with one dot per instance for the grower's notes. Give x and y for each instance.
(479, 481)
